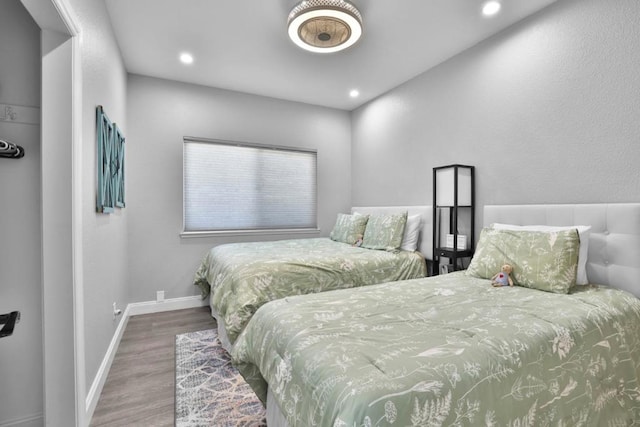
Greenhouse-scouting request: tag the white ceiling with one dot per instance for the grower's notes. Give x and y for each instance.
(244, 46)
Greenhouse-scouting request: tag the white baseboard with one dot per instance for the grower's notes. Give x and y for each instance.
(166, 305)
(36, 420)
(132, 309)
(101, 376)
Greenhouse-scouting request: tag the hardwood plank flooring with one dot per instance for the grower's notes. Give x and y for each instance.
(139, 390)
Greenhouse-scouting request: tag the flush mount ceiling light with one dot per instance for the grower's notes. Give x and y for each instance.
(324, 25)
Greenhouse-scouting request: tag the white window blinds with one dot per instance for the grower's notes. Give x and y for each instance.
(239, 186)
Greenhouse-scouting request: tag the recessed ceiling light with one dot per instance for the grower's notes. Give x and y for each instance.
(490, 8)
(354, 93)
(186, 58)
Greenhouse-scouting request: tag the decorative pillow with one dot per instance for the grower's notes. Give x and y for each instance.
(385, 231)
(547, 261)
(583, 233)
(411, 233)
(349, 228)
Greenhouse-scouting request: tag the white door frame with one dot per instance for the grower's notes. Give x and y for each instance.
(64, 400)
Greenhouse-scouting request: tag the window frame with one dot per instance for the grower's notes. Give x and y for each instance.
(246, 232)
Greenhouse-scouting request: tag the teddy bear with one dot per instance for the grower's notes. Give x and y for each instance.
(503, 278)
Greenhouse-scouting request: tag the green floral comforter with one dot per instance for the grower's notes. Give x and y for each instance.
(241, 277)
(448, 350)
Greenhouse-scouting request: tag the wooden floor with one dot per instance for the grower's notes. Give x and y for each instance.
(139, 390)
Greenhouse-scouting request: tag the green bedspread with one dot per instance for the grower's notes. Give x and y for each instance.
(448, 350)
(244, 276)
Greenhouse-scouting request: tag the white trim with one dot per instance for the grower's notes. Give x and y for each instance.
(265, 232)
(83, 412)
(249, 144)
(65, 11)
(83, 416)
(133, 309)
(147, 307)
(34, 420)
(101, 376)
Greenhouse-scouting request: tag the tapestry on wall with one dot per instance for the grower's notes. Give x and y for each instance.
(110, 164)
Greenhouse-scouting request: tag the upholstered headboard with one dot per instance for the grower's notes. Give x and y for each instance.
(614, 242)
(426, 229)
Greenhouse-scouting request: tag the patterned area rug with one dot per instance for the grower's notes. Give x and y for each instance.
(209, 390)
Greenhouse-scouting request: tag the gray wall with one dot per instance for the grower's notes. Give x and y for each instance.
(547, 111)
(21, 397)
(104, 236)
(160, 113)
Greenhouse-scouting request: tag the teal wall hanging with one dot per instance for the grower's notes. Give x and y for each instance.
(110, 164)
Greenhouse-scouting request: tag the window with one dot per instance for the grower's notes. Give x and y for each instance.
(240, 186)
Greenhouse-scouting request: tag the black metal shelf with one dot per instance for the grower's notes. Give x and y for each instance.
(451, 210)
(453, 253)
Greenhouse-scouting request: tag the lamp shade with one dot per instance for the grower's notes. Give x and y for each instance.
(324, 26)
(445, 186)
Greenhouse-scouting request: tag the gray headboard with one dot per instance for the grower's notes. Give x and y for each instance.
(424, 244)
(614, 242)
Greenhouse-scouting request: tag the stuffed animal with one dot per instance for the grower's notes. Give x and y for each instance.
(358, 242)
(503, 278)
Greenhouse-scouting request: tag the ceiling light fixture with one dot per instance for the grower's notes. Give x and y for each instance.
(324, 26)
(354, 93)
(490, 8)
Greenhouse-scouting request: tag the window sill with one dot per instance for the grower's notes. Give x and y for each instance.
(221, 233)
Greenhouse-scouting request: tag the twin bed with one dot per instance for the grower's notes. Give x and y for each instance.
(453, 350)
(239, 278)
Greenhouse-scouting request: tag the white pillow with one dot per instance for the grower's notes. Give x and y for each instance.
(583, 232)
(411, 233)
